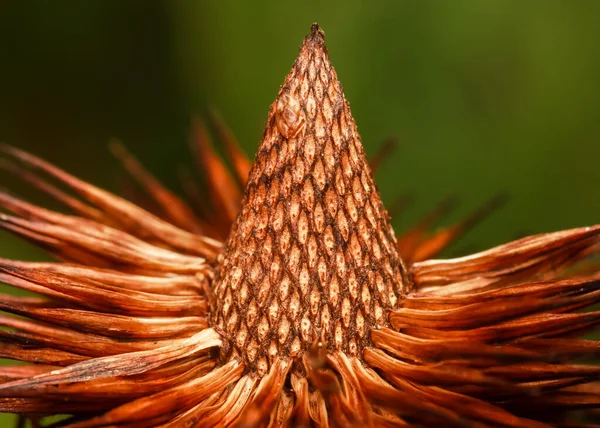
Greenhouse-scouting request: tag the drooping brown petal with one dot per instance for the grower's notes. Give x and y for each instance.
(224, 192)
(222, 413)
(266, 396)
(170, 284)
(43, 406)
(490, 311)
(405, 405)
(77, 206)
(524, 257)
(94, 295)
(134, 219)
(241, 163)
(354, 406)
(544, 325)
(174, 208)
(123, 364)
(427, 375)
(477, 412)
(423, 351)
(551, 406)
(110, 244)
(27, 352)
(410, 240)
(118, 326)
(109, 392)
(10, 373)
(63, 338)
(301, 412)
(533, 290)
(158, 408)
(441, 239)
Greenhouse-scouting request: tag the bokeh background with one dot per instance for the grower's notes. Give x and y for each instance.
(484, 96)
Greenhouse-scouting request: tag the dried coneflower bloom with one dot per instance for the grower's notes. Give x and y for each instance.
(294, 305)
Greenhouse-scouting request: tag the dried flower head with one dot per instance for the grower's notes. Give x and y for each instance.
(313, 313)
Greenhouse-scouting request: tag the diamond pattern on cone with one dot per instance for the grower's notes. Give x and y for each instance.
(312, 255)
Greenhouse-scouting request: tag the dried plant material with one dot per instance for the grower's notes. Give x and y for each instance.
(303, 261)
(239, 160)
(294, 305)
(225, 196)
(433, 245)
(174, 209)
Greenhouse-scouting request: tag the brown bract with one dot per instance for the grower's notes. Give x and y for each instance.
(294, 305)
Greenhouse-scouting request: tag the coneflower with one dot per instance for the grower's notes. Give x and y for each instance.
(294, 305)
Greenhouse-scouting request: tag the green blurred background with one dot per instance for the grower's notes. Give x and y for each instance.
(484, 96)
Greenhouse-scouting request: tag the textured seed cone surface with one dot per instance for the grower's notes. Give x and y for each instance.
(312, 256)
(292, 305)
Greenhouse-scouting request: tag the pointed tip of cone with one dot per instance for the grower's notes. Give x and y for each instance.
(316, 33)
(315, 39)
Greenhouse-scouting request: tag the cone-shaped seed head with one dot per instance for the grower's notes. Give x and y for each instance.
(312, 256)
